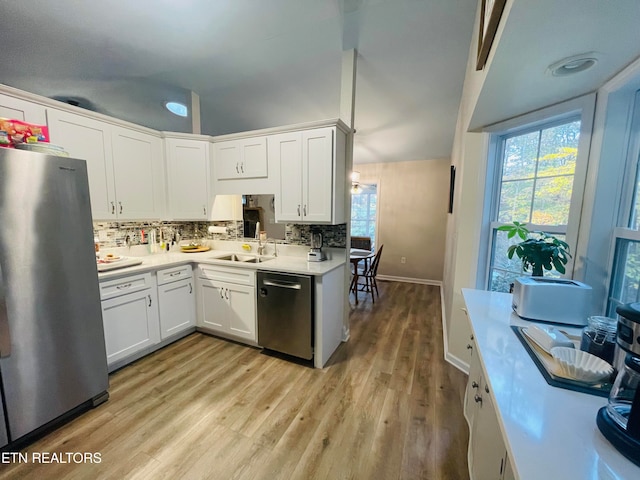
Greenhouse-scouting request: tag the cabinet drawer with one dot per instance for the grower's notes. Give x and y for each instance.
(169, 275)
(122, 286)
(240, 276)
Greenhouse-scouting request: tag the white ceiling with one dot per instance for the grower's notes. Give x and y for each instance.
(254, 63)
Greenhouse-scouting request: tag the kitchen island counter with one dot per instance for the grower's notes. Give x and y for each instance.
(549, 432)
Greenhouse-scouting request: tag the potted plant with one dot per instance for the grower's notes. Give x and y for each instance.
(537, 250)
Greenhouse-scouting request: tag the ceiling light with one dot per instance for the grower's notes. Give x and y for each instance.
(177, 108)
(355, 176)
(356, 188)
(574, 64)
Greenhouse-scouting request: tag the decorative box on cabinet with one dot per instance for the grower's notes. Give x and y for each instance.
(310, 171)
(188, 179)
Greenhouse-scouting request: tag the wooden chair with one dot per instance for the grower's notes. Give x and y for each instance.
(368, 276)
(363, 243)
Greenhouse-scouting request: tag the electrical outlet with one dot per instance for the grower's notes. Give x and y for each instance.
(403, 259)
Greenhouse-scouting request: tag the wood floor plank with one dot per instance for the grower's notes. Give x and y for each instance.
(386, 406)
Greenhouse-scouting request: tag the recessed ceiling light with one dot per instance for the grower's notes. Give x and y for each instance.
(574, 64)
(177, 108)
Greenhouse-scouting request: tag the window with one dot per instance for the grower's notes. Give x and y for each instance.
(364, 206)
(625, 276)
(534, 184)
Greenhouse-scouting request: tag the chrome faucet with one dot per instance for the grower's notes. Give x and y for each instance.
(261, 247)
(275, 247)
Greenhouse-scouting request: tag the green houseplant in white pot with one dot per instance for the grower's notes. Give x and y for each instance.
(537, 250)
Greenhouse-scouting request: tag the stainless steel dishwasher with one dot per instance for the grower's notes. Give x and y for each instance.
(285, 313)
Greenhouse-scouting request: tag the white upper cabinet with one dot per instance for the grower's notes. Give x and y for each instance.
(188, 179)
(124, 166)
(310, 172)
(15, 108)
(244, 158)
(89, 140)
(137, 168)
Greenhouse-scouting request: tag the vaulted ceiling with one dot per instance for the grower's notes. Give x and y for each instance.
(254, 63)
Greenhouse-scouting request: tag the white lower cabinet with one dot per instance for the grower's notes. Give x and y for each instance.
(130, 315)
(226, 301)
(487, 455)
(176, 300)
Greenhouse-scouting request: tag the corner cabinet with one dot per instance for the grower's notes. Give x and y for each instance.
(124, 166)
(226, 302)
(188, 179)
(310, 172)
(237, 159)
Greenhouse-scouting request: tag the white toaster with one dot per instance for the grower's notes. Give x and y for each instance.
(555, 300)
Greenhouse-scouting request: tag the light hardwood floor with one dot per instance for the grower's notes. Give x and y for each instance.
(386, 407)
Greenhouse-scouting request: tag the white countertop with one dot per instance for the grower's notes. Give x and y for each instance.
(550, 432)
(288, 264)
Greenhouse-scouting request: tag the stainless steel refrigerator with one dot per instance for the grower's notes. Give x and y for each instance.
(52, 350)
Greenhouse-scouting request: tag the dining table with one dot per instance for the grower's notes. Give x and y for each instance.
(356, 255)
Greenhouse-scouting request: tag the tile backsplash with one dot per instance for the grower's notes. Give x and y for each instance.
(114, 234)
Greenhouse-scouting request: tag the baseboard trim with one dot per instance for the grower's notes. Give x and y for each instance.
(456, 362)
(391, 278)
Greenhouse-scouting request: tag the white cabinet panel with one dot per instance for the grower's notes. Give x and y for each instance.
(177, 307)
(130, 324)
(309, 188)
(241, 310)
(286, 149)
(188, 179)
(244, 158)
(137, 164)
(317, 175)
(89, 140)
(228, 308)
(211, 305)
(15, 108)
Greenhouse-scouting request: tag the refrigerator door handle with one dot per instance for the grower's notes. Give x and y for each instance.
(5, 335)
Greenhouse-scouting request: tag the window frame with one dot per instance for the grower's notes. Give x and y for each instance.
(377, 183)
(581, 109)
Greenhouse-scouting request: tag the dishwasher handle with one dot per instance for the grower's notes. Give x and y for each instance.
(289, 285)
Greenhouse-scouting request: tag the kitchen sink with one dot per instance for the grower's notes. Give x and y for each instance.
(243, 258)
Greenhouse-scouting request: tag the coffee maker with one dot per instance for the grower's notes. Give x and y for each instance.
(619, 421)
(316, 254)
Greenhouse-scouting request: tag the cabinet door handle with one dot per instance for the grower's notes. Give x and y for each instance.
(204, 209)
(226, 293)
(174, 274)
(123, 286)
(242, 167)
(474, 384)
(305, 210)
(471, 337)
(501, 465)
(237, 170)
(486, 388)
(149, 299)
(221, 294)
(298, 210)
(478, 399)
(113, 208)
(190, 288)
(469, 346)
(120, 203)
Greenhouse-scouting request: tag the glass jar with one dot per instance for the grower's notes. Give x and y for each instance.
(599, 337)
(624, 390)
